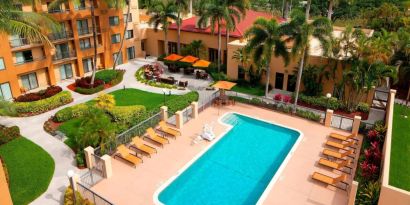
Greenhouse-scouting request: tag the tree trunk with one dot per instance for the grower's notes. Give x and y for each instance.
(267, 79)
(286, 9)
(308, 9)
(227, 40)
(166, 41)
(330, 10)
(95, 43)
(219, 47)
(179, 34)
(299, 77)
(123, 36)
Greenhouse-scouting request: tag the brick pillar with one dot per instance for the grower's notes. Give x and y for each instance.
(164, 113)
(179, 119)
(390, 99)
(353, 192)
(88, 152)
(328, 117)
(194, 106)
(107, 166)
(356, 125)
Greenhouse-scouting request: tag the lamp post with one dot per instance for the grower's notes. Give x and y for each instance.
(165, 91)
(328, 96)
(70, 175)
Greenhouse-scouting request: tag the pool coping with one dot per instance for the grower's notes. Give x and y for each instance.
(212, 143)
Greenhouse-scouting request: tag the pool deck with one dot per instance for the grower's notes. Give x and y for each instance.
(130, 185)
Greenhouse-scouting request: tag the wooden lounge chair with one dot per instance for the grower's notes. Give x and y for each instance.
(336, 165)
(125, 154)
(338, 155)
(342, 137)
(332, 181)
(344, 145)
(168, 130)
(137, 143)
(156, 138)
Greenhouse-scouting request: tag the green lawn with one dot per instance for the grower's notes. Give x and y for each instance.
(70, 129)
(400, 150)
(30, 169)
(257, 90)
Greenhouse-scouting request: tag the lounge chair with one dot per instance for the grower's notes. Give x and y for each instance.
(336, 165)
(342, 137)
(332, 181)
(338, 155)
(137, 143)
(168, 130)
(125, 154)
(156, 138)
(344, 145)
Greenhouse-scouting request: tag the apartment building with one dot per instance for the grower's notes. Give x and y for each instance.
(28, 66)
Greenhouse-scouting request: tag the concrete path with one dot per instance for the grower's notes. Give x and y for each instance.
(32, 128)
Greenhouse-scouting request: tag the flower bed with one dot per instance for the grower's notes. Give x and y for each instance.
(103, 79)
(8, 134)
(44, 105)
(140, 76)
(42, 94)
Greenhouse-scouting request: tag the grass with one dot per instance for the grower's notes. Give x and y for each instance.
(257, 90)
(30, 169)
(70, 129)
(400, 150)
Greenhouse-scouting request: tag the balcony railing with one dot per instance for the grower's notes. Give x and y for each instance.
(29, 60)
(89, 47)
(60, 35)
(58, 10)
(87, 31)
(20, 42)
(64, 55)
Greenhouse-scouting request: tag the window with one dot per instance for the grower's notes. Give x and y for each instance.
(82, 26)
(2, 66)
(80, 5)
(119, 59)
(114, 20)
(213, 55)
(116, 38)
(29, 81)
(54, 10)
(66, 72)
(5, 91)
(24, 57)
(129, 34)
(85, 43)
(172, 47)
(279, 80)
(88, 65)
(62, 51)
(131, 53)
(129, 18)
(143, 45)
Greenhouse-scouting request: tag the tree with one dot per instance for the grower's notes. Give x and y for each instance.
(105, 101)
(237, 10)
(161, 13)
(332, 3)
(181, 6)
(307, 12)
(265, 40)
(300, 32)
(31, 25)
(312, 78)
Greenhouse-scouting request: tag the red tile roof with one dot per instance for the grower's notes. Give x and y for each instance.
(188, 25)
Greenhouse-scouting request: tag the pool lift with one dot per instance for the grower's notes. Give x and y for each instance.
(208, 132)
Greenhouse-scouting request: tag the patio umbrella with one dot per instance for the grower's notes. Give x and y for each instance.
(224, 85)
(173, 57)
(201, 64)
(189, 59)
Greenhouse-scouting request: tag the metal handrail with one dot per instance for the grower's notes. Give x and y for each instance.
(87, 30)
(64, 55)
(15, 43)
(94, 195)
(30, 60)
(60, 35)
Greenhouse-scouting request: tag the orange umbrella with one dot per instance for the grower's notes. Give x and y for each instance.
(201, 64)
(189, 59)
(225, 85)
(173, 57)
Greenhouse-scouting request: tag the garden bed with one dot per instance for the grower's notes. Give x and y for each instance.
(103, 80)
(40, 106)
(140, 76)
(363, 115)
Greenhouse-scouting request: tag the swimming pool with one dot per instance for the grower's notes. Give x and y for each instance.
(236, 169)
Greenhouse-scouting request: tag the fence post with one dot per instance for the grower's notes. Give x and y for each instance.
(356, 125)
(107, 166)
(179, 121)
(164, 113)
(194, 106)
(73, 178)
(390, 100)
(88, 152)
(328, 117)
(353, 192)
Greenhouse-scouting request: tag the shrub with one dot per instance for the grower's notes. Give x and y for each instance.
(89, 91)
(161, 57)
(372, 135)
(105, 101)
(278, 97)
(106, 75)
(287, 98)
(118, 79)
(182, 102)
(85, 82)
(8, 134)
(363, 107)
(7, 108)
(308, 115)
(42, 94)
(322, 102)
(218, 76)
(44, 105)
(126, 114)
(80, 159)
(369, 194)
(69, 200)
(69, 113)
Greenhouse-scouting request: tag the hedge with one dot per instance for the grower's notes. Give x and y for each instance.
(89, 91)
(126, 114)
(106, 75)
(322, 101)
(118, 78)
(44, 105)
(182, 102)
(308, 115)
(8, 134)
(69, 113)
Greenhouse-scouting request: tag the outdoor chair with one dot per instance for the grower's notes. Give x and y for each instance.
(183, 84)
(344, 145)
(342, 137)
(332, 181)
(124, 153)
(156, 138)
(338, 155)
(188, 71)
(336, 165)
(138, 144)
(169, 130)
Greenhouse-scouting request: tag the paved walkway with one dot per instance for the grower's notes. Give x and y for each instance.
(32, 128)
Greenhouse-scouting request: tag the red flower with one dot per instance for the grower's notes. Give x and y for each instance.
(277, 97)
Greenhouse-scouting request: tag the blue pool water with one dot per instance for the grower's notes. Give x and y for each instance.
(235, 170)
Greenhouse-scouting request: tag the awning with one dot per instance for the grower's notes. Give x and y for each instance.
(189, 59)
(201, 64)
(173, 57)
(225, 85)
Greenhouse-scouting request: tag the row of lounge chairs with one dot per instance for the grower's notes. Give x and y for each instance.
(339, 158)
(137, 144)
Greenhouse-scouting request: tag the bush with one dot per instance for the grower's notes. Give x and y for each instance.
(8, 134)
(106, 75)
(85, 82)
(42, 94)
(161, 57)
(89, 91)
(80, 159)
(308, 115)
(278, 97)
(69, 113)
(369, 194)
(218, 76)
(7, 108)
(363, 107)
(129, 115)
(44, 105)
(322, 102)
(182, 102)
(69, 200)
(118, 79)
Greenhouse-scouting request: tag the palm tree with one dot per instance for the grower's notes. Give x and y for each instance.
(285, 9)
(31, 25)
(309, 2)
(300, 32)
(265, 40)
(332, 3)
(161, 13)
(181, 6)
(237, 10)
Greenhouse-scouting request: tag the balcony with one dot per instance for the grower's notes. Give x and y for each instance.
(65, 35)
(59, 56)
(29, 60)
(23, 42)
(58, 11)
(87, 31)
